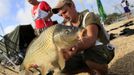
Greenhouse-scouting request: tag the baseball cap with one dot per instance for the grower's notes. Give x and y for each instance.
(60, 4)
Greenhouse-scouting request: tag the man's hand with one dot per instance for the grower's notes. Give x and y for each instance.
(69, 52)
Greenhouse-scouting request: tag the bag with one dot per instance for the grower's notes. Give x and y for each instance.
(106, 51)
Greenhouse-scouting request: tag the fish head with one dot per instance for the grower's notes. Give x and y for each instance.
(66, 36)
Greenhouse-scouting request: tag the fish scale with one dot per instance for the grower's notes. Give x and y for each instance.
(34, 50)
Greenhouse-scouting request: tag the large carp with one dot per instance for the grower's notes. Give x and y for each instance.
(45, 50)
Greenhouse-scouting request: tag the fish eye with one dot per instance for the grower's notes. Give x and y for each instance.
(67, 31)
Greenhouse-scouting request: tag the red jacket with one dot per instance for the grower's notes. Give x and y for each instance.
(39, 22)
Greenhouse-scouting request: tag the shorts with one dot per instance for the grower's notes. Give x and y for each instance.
(126, 9)
(100, 54)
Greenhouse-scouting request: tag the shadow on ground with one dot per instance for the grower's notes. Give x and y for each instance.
(123, 66)
(127, 32)
(124, 32)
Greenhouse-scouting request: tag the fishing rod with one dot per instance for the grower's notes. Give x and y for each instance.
(2, 28)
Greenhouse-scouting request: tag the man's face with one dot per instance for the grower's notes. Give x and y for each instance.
(32, 1)
(67, 12)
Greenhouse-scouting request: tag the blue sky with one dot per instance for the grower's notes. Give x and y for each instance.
(18, 12)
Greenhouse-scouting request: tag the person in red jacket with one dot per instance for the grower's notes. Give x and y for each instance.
(41, 13)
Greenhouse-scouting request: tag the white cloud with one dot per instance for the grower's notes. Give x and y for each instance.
(4, 11)
(91, 1)
(4, 7)
(9, 29)
(23, 15)
(131, 1)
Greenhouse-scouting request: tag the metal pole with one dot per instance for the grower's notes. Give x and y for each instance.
(2, 28)
(92, 8)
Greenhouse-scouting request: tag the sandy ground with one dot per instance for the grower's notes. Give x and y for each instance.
(123, 62)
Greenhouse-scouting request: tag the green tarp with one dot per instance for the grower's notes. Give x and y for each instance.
(18, 39)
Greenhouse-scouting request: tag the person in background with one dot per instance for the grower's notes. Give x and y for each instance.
(94, 51)
(125, 5)
(41, 13)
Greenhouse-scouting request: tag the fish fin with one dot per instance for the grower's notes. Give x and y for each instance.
(61, 60)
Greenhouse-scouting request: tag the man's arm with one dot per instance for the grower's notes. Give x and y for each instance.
(46, 7)
(87, 39)
(48, 16)
(44, 11)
